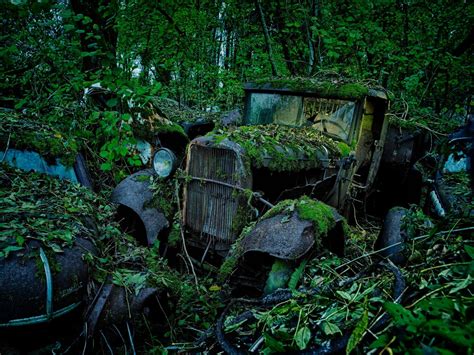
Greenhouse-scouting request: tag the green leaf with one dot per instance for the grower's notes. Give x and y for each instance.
(403, 317)
(344, 295)
(21, 103)
(380, 342)
(9, 249)
(106, 166)
(302, 337)
(56, 248)
(231, 327)
(469, 250)
(296, 275)
(112, 102)
(69, 28)
(330, 328)
(20, 240)
(278, 276)
(459, 334)
(273, 344)
(358, 332)
(462, 285)
(67, 236)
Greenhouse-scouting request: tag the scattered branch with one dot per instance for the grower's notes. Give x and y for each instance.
(182, 236)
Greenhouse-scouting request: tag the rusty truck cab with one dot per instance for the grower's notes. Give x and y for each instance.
(220, 169)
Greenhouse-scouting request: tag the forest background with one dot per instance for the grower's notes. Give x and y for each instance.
(200, 52)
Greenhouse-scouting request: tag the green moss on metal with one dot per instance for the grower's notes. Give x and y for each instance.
(281, 148)
(171, 129)
(25, 134)
(317, 212)
(232, 259)
(344, 149)
(330, 89)
(279, 276)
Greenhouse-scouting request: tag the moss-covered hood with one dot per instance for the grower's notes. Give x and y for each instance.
(282, 148)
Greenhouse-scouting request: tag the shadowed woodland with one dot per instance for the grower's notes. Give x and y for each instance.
(236, 176)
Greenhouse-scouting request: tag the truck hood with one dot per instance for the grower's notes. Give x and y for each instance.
(281, 148)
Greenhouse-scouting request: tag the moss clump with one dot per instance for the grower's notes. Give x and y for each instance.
(232, 259)
(344, 149)
(25, 134)
(170, 129)
(320, 214)
(328, 89)
(281, 148)
(284, 206)
(315, 211)
(279, 276)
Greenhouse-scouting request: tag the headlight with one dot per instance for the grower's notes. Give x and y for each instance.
(164, 162)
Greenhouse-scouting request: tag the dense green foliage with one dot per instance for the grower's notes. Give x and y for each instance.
(20, 132)
(197, 54)
(333, 300)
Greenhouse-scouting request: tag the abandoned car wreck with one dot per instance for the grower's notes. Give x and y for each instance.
(250, 202)
(297, 138)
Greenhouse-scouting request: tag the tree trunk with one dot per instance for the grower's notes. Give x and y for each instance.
(283, 39)
(267, 38)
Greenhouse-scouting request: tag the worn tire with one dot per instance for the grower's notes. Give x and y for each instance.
(392, 233)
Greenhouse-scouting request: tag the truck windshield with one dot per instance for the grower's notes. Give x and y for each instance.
(330, 116)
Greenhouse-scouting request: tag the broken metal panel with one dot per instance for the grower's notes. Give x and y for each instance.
(211, 206)
(134, 192)
(114, 304)
(283, 238)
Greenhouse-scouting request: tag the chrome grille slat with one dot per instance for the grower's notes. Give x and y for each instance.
(211, 207)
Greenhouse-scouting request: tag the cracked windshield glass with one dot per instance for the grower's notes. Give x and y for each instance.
(330, 116)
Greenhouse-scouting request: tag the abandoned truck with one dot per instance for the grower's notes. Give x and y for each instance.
(299, 137)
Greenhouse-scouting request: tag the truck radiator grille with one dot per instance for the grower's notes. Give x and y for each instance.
(210, 208)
